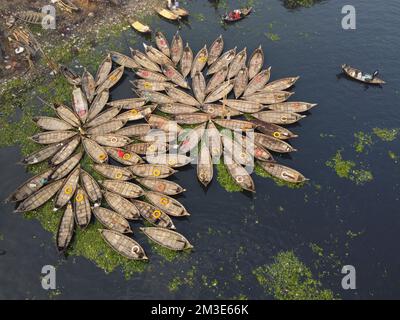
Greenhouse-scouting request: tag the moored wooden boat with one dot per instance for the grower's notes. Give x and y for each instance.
(223, 61)
(240, 175)
(70, 75)
(152, 170)
(278, 117)
(98, 104)
(220, 111)
(67, 191)
(190, 140)
(144, 61)
(66, 151)
(173, 75)
(122, 206)
(88, 85)
(273, 130)
(216, 80)
(65, 229)
(282, 172)
(177, 95)
(107, 128)
(192, 118)
(123, 188)
(42, 154)
(135, 130)
(152, 214)
(83, 212)
(222, 91)
(177, 108)
(167, 14)
(199, 87)
(171, 159)
(257, 82)
(103, 117)
(96, 152)
(280, 85)
(269, 97)
(235, 124)
(361, 76)
(104, 70)
(111, 140)
(256, 62)
(131, 103)
(91, 187)
(167, 238)
(52, 124)
(142, 28)
(113, 172)
(80, 104)
(124, 156)
(180, 12)
(243, 105)
(111, 80)
(65, 113)
(144, 148)
(205, 170)
(156, 55)
(162, 43)
(213, 140)
(186, 61)
(66, 167)
(241, 82)
(272, 143)
(199, 61)
(52, 137)
(123, 60)
(169, 205)
(112, 220)
(216, 49)
(237, 63)
(295, 107)
(167, 187)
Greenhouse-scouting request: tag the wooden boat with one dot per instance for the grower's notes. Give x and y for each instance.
(256, 62)
(152, 170)
(167, 14)
(162, 43)
(237, 151)
(192, 118)
(30, 16)
(361, 76)
(213, 139)
(103, 117)
(272, 143)
(111, 140)
(137, 114)
(31, 186)
(205, 170)
(278, 117)
(52, 137)
(282, 172)
(169, 205)
(280, 85)
(122, 206)
(258, 82)
(177, 108)
(167, 238)
(128, 104)
(104, 70)
(150, 75)
(88, 85)
(80, 104)
(199, 61)
(112, 220)
(180, 96)
(144, 148)
(125, 189)
(241, 125)
(96, 152)
(256, 151)
(171, 159)
(219, 111)
(40, 197)
(70, 75)
(108, 127)
(269, 97)
(186, 61)
(123, 156)
(66, 151)
(216, 49)
(216, 80)
(135, 130)
(66, 114)
(295, 107)
(42, 154)
(51, 124)
(111, 80)
(156, 97)
(65, 229)
(91, 187)
(223, 61)
(123, 245)
(123, 60)
(166, 187)
(113, 172)
(163, 123)
(273, 130)
(243, 105)
(199, 87)
(156, 55)
(231, 17)
(144, 61)
(98, 104)
(177, 48)
(190, 140)
(142, 28)
(241, 82)
(222, 91)
(66, 167)
(153, 215)
(238, 62)
(173, 75)
(240, 175)
(67, 191)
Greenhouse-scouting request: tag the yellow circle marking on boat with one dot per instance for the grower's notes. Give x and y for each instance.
(79, 197)
(211, 110)
(164, 201)
(156, 172)
(152, 148)
(156, 214)
(102, 157)
(148, 85)
(277, 134)
(284, 118)
(114, 140)
(118, 175)
(127, 156)
(172, 162)
(135, 249)
(202, 59)
(239, 179)
(68, 190)
(134, 112)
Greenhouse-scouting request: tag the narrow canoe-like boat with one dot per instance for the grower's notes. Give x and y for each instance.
(70, 75)
(151, 85)
(282, 172)
(280, 85)
(51, 124)
(150, 75)
(243, 105)
(199, 87)
(237, 14)
(128, 104)
(177, 108)
(199, 61)
(42, 154)
(191, 139)
(162, 43)
(67, 191)
(113, 172)
(256, 62)
(152, 214)
(135, 130)
(123, 60)
(192, 118)
(80, 104)
(31, 186)
(216, 50)
(169, 205)
(295, 107)
(91, 187)
(273, 130)
(173, 75)
(257, 151)
(213, 140)
(124, 156)
(223, 61)
(167, 238)
(112, 220)
(167, 14)
(98, 104)
(104, 70)
(205, 170)
(144, 148)
(65, 113)
(111, 140)
(163, 123)
(216, 80)
(52, 137)
(66, 167)
(258, 82)
(240, 175)
(65, 229)
(66, 151)
(152, 170)
(272, 143)
(88, 85)
(156, 97)
(104, 117)
(220, 111)
(95, 151)
(142, 28)
(122, 206)
(236, 150)
(123, 188)
(269, 97)
(156, 55)
(361, 76)
(111, 80)
(235, 124)
(222, 91)
(238, 63)
(124, 245)
(180, 96)
(40, 197)
(167, 187)
(186, 61)
(83, 212)
(278, 117)
(170, 159)
(177, 48)
(137, 113)
(144, 61)
(241, 82)
(108, 127)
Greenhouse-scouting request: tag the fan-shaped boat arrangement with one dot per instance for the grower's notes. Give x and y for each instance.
(227, 100)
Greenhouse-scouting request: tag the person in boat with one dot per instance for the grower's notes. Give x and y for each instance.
(173, 4)
(370, 77)
(235, 15)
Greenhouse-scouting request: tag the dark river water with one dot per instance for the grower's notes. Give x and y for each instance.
(234, 232)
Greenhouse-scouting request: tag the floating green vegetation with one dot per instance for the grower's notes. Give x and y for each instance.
(240, 296)
(226, 180)
(272, 36)
(178, 282)
(316, 249)
(287, 278)
(167, 254)
(280, 183)
(393, 156)
(199, 17)
(387, 135)
(293, 4)
(361, 141)
(347, 169)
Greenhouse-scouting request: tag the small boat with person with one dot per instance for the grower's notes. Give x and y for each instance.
(362, 76)
(237, 14)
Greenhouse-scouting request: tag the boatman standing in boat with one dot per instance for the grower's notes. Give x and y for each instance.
(235, 15)
(173, 4)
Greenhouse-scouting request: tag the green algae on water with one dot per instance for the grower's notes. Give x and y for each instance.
(386, 135)
(225, 179)
(362, 140)
(187, 279)
(272, 36)
(287, 278)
